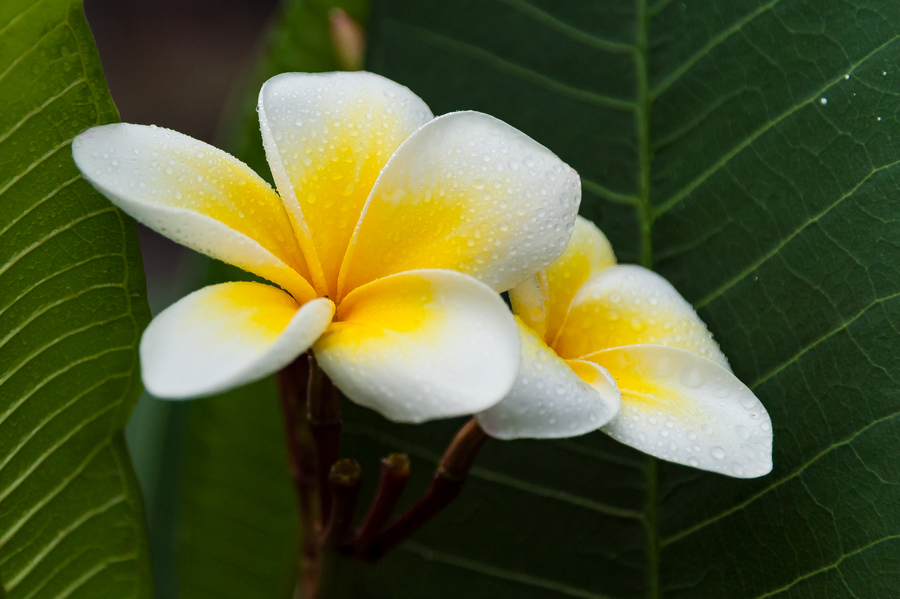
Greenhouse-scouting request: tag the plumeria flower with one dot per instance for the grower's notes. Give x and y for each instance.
(617, 346)
(389, 237)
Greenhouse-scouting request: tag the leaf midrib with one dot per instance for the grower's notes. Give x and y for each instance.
(645, 221)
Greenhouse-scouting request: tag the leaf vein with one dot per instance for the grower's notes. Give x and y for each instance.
(831, 566)
(675, 537)
(566, 29)
(679, 195)
(684, 67)
(771, 253)
(519, 71)
(489, 570)
(46, 549)
(40, 108)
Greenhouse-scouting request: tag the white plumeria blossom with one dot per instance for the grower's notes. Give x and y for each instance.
(657, 380)
(389, 238)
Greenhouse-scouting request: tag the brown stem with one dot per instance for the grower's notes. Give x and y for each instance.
(324, 414)
(394, 475)
(446, 485)
(302, 467)
(344, 480)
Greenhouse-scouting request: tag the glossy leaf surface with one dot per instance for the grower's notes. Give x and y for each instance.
(72, 307)
(748, 151)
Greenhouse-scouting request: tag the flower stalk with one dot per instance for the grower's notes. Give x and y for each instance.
(393, 479)
(302, 466)
(324, 414)
(344, 482)
(328, 488)
(446, 485)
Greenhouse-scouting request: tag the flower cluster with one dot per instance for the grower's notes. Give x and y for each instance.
(389, 239)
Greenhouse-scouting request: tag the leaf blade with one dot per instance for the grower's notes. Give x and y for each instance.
(71, 309)
(765, 206)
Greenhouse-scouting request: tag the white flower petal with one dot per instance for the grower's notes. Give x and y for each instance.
(549, 399)
(224, 336)
(630, 305)
(196, 195)
(588, 253)
(682, 407)
(327, 136)
(422, 345)
(469, 193)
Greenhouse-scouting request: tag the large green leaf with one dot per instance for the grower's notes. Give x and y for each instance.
(72, 307)
(747, 150)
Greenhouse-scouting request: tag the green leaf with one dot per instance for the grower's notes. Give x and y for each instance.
(237, 512)
(748, 150)
(238, 509)
(72, 307)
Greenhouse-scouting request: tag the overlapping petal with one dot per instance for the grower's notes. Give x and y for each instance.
(327, 137)
(227, 335)
(588, 253)
(465, 192)
(630, 305)
(422, 345)
(384, 210)
(551, 398)
(196, 195)
(685, 408)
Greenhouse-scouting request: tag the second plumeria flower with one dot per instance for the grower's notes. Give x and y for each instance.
(617, 347)
(391, 234)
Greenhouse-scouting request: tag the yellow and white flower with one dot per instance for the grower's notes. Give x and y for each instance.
(631, 340)
(390, 236)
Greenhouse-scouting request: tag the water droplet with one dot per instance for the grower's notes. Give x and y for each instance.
(717, 452)
(824, 101)
(693, 378)
(737, 468)
(693, 462)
